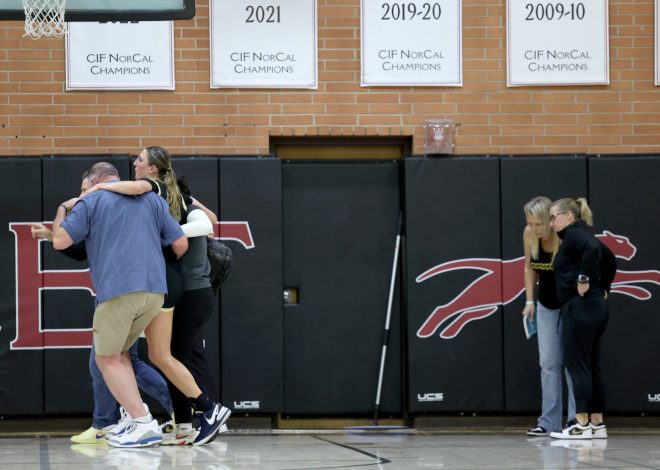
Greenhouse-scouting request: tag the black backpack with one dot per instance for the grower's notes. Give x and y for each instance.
(219, 256)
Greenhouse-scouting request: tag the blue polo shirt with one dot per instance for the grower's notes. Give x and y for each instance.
(124, 236)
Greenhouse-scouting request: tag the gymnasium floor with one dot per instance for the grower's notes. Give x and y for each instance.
(280, 450)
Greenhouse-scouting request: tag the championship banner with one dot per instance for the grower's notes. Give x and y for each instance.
(261, 44)
(557, 43)
(411, 44)
(120, 56)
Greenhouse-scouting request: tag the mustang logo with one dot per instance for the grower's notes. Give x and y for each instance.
(502, 281)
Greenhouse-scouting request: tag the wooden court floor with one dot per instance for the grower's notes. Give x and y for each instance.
(341, 449)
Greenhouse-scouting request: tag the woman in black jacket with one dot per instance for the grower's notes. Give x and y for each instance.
(584, 270)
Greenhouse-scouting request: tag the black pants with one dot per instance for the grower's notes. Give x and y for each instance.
(584, 320)
(190, 314)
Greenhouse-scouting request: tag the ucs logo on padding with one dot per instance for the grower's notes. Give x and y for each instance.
(502, 281)
(429, 397)
(247, 405)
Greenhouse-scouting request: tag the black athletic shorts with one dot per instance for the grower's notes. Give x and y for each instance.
(174, 284)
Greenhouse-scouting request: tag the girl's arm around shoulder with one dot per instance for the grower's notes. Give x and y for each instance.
(129, 188)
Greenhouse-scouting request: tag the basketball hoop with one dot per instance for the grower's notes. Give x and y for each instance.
(44, 18)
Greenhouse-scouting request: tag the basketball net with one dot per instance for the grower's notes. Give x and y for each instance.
(44, 18)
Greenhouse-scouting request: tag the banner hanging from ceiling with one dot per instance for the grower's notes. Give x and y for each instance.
(261, 44)
(414, 43)
(120, 56)
(557, 43)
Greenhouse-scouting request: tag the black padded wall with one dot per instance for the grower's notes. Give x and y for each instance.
(624, 195)
(454, 280)
(334, 242)
(340, 223)
(523, 178)
(21, 370)
(251, 299)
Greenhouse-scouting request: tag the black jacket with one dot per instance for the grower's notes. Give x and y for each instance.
(582, 253)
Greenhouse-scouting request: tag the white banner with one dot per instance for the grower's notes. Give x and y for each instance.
(412, 43)
(561, 42)
(120, 56)
(657, 42)
(263, 44)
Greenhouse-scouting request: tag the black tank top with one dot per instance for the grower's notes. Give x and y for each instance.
(547, 293)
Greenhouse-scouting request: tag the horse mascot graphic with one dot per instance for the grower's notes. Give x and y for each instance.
(502, 281)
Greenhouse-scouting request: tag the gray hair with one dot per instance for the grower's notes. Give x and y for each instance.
(104, 171)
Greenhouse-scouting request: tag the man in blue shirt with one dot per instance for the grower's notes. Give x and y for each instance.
(123, 237)
(106, 413)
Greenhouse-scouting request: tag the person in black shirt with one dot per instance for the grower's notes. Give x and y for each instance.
(541, 244)
(584, 270)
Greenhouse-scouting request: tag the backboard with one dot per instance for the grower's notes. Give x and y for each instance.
(111, 10)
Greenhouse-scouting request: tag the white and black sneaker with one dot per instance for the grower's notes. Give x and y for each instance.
(168, 426)
(210, 422)
(574, 430)
(537, 431)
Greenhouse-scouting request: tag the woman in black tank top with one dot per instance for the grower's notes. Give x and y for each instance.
(541, 304)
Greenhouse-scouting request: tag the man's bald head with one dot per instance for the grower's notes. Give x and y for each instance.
(102, 172)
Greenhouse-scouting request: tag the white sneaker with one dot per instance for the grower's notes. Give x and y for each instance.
(138, 434)
(599, 431)
(183, 434)
(124, 421)
(573, 430)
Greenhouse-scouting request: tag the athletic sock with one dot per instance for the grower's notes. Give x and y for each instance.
(202, 403)
(144, 419)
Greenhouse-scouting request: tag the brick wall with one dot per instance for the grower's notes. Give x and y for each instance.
(37, 116)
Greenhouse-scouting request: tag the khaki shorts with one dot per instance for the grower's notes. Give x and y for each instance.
(118, 322)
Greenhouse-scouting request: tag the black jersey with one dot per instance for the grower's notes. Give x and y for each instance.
(547, 290)
(159, 187)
